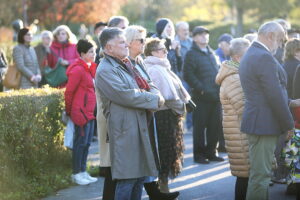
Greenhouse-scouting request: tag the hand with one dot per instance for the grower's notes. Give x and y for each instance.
(161, 101)
(290, 134)
(175, 44)
(64, 62)
(294, 103)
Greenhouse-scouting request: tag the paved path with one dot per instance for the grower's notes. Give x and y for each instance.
(196, 182)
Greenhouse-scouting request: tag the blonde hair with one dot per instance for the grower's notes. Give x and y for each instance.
(164, 33)
(71, 36)
(291, 47)
(134, 32)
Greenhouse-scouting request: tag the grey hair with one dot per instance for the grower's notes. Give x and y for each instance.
(178, 24)
(285, 24)
(250, 36)
(109, 34)
(114, 21)
(238, 46)
(134, 31)
(47, 33)
(270, 27)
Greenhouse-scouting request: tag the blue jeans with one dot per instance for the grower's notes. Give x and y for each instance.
(82, 141)
(129, 189)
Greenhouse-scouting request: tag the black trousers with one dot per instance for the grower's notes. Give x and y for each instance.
(298, 191)
(207, 116)
(241, 185)
(109, 185)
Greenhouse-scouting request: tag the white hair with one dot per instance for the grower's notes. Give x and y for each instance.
(270, 27)
(238, 46)
(47, 33)
(164, 33)
(181, 23)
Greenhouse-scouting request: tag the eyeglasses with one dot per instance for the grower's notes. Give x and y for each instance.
(161, 49)
(142, 40)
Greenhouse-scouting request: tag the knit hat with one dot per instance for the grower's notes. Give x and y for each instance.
(199, 30)
(160, 25)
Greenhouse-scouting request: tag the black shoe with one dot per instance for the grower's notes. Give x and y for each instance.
(155, 194)
(222, 149)
(201, 160)
(215, 158)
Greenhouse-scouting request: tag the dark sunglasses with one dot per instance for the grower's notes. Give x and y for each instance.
(142, 40)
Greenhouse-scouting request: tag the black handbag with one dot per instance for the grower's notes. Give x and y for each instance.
(190, 106)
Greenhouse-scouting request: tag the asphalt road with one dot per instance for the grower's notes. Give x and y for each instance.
(196, 182)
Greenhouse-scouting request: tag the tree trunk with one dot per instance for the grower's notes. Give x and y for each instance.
(240, 21)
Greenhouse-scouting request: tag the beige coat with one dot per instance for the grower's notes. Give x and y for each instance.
(27, 63)
(102, 134)
(232, 99)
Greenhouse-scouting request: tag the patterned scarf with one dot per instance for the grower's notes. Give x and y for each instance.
(141, 82)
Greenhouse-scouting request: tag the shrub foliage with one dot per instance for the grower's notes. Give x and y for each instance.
(33, 161)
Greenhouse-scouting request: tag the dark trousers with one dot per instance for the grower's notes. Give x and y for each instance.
(241, 185)
(207, 116)
(109, 187)
(82, 141)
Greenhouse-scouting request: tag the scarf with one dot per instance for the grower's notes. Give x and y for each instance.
(165, 79)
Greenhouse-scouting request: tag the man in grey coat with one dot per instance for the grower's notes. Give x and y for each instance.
(127, 101)
(266, 114)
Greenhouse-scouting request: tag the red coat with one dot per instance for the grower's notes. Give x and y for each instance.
(66, 51)
(80, 98)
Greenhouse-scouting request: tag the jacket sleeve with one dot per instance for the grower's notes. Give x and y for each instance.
(235, 95)
(114, 88)
(18, 57)
(74, 78)
(273, 91)
(189, 73)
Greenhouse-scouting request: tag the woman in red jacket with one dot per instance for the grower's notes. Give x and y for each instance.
(62, 49)
(80, 100)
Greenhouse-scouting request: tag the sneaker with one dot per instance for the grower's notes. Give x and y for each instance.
(79, 179)
(88, 177)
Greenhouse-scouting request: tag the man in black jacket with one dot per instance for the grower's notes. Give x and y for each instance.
(200, 70)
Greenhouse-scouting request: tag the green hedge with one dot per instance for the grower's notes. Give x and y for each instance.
(33, 161)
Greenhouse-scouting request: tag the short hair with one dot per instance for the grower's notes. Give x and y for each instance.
(109, 34)
(133, 32)
(84, 45)
(47, 34)
(270, 27)
(285, 24)
(97, 25)
(22, 32)
(291, 47)
(250, 36)
(71, 36)
(178, 24)
(238, 46)
(152, 44)
(114, 21)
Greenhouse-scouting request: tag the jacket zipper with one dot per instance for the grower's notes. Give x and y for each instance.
(84, 115)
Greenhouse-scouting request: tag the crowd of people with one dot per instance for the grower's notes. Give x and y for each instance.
(136, 88)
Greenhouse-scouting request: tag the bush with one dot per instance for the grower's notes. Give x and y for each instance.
(33, 161)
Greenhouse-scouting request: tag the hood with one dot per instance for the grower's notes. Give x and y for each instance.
(79, 62)
(228, 68)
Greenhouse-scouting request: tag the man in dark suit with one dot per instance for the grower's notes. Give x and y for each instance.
(266, 114)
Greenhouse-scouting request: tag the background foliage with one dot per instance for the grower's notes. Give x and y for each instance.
(33, 160)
